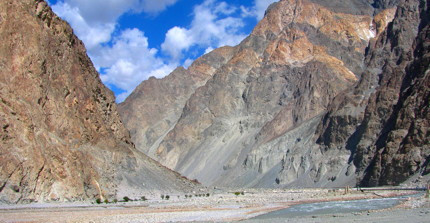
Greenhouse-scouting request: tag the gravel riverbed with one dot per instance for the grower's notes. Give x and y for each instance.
(220, 206)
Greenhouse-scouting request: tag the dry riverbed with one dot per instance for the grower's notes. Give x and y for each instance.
(219, 206)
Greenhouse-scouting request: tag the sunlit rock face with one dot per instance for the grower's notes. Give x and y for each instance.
(61, 138)
(284, 107)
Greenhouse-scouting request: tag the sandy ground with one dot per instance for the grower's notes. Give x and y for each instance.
(219, 207)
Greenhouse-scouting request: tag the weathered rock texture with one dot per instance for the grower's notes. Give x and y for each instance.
(61, 137)
(155, 106)
(384, 119)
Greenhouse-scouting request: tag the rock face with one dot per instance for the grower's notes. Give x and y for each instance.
(287, 106)
(384, 119)
(61, 137)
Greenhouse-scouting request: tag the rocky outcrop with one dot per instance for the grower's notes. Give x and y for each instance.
(61, 137)
(384, 119)
(253, 122)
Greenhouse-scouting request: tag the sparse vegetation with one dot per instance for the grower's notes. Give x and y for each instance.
(239, 193)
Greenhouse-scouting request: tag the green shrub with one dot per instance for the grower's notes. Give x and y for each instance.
(126, 199)
(115, 200)
(143, 198)
(207, 195)
(98, 201)
(106, 201)
(167, 197)
(162, 196)
(237, 193)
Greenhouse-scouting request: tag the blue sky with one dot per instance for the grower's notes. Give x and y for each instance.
(131, 40)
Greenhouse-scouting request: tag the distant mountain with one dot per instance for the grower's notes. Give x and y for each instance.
(61, 138)
(321, 93)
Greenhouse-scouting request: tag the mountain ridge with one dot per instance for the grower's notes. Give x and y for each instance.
(261, 119)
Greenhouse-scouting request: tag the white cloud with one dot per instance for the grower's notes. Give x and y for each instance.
(188, 62)
(208, 50)
(153, 6)
(91, 34)
(212, 26)
(176, 40)
(129, 61)
(94, 21)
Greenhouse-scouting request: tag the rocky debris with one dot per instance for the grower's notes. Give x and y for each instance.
(61, 137)
(253, 122)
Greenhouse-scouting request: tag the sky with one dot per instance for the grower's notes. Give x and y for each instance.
(131, 40)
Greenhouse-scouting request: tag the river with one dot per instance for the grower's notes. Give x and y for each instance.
(334, 207)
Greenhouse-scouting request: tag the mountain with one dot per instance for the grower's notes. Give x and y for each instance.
(384, 119)
(321, 93)
(61, 138)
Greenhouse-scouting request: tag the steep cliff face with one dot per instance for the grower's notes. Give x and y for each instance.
(61, 137)
(253, 122)
(384, 119)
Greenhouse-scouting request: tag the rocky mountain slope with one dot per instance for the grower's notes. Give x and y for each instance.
(61, 138)
(384, 120)
(310, 98)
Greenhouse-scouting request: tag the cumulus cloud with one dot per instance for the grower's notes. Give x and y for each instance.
(130, 60)
(212, 26)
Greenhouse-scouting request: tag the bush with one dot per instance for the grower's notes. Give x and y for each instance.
(237, 193)
(106, 201)
(115, 200)
(143, 198)
(167, 197)
(126, 199)
(162, 196)
(98, 201)
(207, 195)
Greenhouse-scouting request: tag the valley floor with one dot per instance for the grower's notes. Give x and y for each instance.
(220, 206)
